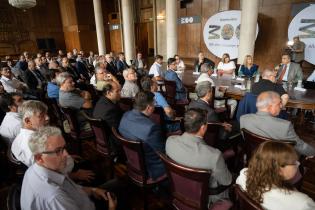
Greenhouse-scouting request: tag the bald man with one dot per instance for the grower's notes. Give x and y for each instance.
(268, 83)
(265, 123)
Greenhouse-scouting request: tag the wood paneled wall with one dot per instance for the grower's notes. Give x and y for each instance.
(273, 19)
(19, 29)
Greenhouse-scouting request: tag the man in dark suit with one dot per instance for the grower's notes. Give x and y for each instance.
(140, 65)
(289, 71)
(137, 126)
(201, 60)
(204, 93)
(111, 66)
(34, 79)
(21, 64)
(107, 107)
(121, 63)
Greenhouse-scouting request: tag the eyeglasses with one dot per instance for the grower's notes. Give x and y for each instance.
(297, 164)
(58, 151)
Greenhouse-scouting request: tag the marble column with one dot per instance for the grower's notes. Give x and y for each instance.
(171, 28)
(128, 29)
(248, 29)
(98, 14)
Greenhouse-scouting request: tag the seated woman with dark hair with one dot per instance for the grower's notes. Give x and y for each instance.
(267, 178)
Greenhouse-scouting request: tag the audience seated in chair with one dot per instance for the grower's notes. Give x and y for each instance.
(171, 75)
(108, 109)
(190, 150)
(204, 93)
(156, 68)
(206, 71)
(265, 123)
(268, 83)
(52, 87)
(130, 87)
(46, 187)
(71, 97)
(137, 125)
(12, 122)
(10, 83)
(150, 85)
(266, 180)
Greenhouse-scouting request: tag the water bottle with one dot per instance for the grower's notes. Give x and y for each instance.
(257, 77)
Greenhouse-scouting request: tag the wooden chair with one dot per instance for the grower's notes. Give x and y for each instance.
(243, 201)
(102, 133)
(170, 93)
(94, 93)
(136, 167)
(222, 111)
(190, 186)
(158, 116)
(252, 141)
(13, 198)
(212, 134)
(75, 132)
(126, 104)
(55, 112)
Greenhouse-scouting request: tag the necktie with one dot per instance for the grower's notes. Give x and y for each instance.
(282, 73)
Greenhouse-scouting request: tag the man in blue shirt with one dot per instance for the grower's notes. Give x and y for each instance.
(171, 75)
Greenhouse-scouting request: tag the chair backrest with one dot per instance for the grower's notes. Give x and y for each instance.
(13, 198)
(55, 111)
(170, 93)
(157, 116)
(252, 141)
(212, 133)
(71, 115)
(190, 186)
(135, 158)
(126, 104)
(94, 93)
(247, 105)
(102, 133)
(243, 201)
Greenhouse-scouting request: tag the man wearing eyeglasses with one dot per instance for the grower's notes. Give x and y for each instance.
(44, 184)
(171, 75)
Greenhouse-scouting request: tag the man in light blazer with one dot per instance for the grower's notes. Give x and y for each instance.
(288, 71)
(190, 150)
(265, 123)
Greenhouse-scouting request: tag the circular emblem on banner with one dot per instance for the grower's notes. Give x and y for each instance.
(221, 33)
(303, 25)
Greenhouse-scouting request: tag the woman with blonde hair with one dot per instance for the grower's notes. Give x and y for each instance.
(266, 180)
(248, 69)
(226, 66)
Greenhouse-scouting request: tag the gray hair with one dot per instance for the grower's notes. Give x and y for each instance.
(38, 140)
(31, 107)
(62, 77)
(126, 72)
(98, 67)
(267, 73)
(266, 99)
(205, 68)
(203, 88)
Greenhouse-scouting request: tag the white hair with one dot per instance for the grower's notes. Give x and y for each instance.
(126, 72)
(31, 107)
(268, 99)
(38, 140)
(62, 77)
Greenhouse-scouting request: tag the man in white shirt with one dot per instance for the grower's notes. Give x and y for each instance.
(34, 116)
(12, 122)
(156, 68)
(11, 84)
